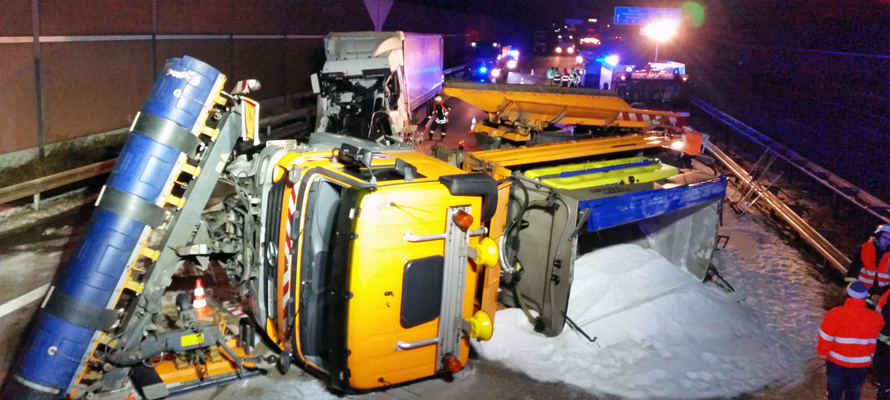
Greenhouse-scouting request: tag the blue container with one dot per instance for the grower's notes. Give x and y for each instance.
(56, 348)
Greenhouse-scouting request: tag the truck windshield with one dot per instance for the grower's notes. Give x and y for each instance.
(320, 276)
(655, 94)
(486, 50)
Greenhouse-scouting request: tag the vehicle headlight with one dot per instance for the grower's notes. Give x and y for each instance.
(559, 49)
(511, 64)
(570, 50)
(496, 72)
(579, 60)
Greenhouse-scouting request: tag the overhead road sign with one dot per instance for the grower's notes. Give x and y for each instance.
(645, 15)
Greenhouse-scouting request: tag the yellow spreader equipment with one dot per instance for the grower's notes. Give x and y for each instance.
(533, 114)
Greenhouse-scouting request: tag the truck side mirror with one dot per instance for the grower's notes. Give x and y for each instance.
(316, 87)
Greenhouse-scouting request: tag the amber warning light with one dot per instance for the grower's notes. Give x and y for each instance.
(250, 120)
(463, 219)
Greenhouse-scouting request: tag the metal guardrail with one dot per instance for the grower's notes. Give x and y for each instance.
(39, 185)
(452, 70)
(834, 256)
(845, 189)
(36, 186)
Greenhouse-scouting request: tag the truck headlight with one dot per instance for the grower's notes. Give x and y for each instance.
(511, 64)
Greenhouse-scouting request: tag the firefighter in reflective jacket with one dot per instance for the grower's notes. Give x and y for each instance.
(847, 339)
(881, 365)
(871, 267)
(440, 117)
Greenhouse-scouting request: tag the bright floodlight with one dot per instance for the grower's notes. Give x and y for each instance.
(660, 30)
(612, 60)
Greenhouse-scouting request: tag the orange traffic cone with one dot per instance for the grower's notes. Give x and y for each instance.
(200, 303)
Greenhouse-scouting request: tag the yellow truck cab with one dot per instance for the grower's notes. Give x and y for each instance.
(378, 267)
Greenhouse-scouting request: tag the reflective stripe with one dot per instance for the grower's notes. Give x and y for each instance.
(853, 360)
(821, 357)
(884, 338)
(867, 272)
(865, 280)
(843, 340)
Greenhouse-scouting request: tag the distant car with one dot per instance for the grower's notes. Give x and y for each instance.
(491, 62)
(480, 70)
(566, 48)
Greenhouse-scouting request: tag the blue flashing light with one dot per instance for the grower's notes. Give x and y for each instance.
(612, 60)
(600, 59)
(483, 70)
(514, 53)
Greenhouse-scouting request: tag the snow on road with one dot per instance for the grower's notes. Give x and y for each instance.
(660, 333)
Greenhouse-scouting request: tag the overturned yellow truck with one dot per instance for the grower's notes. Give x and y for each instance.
(366, 265)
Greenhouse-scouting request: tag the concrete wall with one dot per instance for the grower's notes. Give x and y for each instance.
(98, 59)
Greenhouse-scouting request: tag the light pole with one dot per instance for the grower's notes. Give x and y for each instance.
(660, 31)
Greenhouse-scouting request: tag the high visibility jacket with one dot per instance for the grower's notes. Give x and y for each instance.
(848, 334)
(874, 270)
(885, 312)
(440, 113)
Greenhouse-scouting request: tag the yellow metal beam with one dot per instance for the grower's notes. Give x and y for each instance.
(499, 163)
(546, 100)
(524, 108)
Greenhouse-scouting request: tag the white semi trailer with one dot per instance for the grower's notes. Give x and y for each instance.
(375, 85)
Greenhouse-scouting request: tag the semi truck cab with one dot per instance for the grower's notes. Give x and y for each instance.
(379, 268)
(373, 82)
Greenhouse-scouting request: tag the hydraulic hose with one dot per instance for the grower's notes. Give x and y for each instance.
(506, 265)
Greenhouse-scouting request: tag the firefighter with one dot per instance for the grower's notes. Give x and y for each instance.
(550, 74)
(871, 266)
(576, 78)
(556, 77)
(439, 116)
(881, 366)
(565, 77)
(847, 338)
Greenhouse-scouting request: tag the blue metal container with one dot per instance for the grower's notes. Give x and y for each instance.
(58, 348)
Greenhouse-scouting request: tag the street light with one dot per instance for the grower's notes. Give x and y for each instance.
(660, 31)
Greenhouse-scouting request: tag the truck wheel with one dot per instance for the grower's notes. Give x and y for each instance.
(284, 362)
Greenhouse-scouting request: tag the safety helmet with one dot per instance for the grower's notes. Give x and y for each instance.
(882, 228)
(438, 99)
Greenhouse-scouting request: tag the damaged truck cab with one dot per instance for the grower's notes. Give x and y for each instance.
(378, 268)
